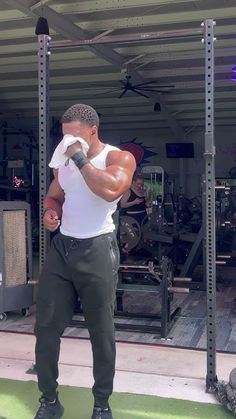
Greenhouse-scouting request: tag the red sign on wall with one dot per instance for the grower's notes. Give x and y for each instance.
(140, 152)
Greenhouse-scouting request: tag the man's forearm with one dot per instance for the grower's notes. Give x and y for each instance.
(53, 204)
(101, 182)
(111, 182)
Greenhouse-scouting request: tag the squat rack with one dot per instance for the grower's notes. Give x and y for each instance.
(209, 250)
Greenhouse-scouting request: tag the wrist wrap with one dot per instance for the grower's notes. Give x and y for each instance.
(79, 159)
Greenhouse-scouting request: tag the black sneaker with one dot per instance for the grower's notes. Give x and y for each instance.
(100, 413)
(49, 410)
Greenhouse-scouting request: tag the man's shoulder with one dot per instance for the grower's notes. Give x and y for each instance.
(116, 155)
(111, 147)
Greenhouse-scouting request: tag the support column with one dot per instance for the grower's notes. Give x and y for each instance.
(44, 137)
(210, 239)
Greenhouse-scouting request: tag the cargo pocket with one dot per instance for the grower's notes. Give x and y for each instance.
(114, 254)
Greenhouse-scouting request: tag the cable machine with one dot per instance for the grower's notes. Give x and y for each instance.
(207, 31)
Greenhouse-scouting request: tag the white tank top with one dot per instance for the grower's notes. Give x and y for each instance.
(84, 214)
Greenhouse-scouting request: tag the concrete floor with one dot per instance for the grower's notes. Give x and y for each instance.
(140, 369)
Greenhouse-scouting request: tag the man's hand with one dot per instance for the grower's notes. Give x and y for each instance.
(51, 220)
(73, 148)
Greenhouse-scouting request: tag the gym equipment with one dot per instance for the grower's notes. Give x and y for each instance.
(129, 232)
(169, 223)
(209, 253)
(225, 210)
(174, 228)
(150, 279)
(154, 182)
(226, 392)
(15, 258)
(26, 167)
(206, 32)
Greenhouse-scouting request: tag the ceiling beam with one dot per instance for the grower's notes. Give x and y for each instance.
(37, 3)
(104, 5)
(67, 28)
(71, 31)
(195, 17)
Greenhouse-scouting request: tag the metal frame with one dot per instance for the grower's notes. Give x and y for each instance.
(117, 39)
(208, 31)
(210, 239)
(44, 136)
(193, 258)
(153, 171)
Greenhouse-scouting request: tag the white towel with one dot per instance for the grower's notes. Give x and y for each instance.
(59, 158)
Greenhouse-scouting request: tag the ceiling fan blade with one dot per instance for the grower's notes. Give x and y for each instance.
(145, 83)
(154, 90)
(139, 93)
(153, 82)
(107, 92)
(123, 93)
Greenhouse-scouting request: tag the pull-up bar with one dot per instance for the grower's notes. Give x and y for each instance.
(117, 39)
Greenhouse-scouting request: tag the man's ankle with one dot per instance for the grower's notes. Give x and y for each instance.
(102, 404)
(51, 399)
(103, 408)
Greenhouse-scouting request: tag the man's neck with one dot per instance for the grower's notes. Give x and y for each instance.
(95, 149)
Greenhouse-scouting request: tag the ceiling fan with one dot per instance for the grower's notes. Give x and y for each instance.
(140, 88)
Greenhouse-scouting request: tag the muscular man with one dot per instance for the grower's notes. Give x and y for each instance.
(83, 259)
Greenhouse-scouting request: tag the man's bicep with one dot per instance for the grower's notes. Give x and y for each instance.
(122, 166)
(122, 176)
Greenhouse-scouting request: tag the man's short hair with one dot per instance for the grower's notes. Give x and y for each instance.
(81, 112)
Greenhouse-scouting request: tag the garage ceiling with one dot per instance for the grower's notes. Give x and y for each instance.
(87, 74)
